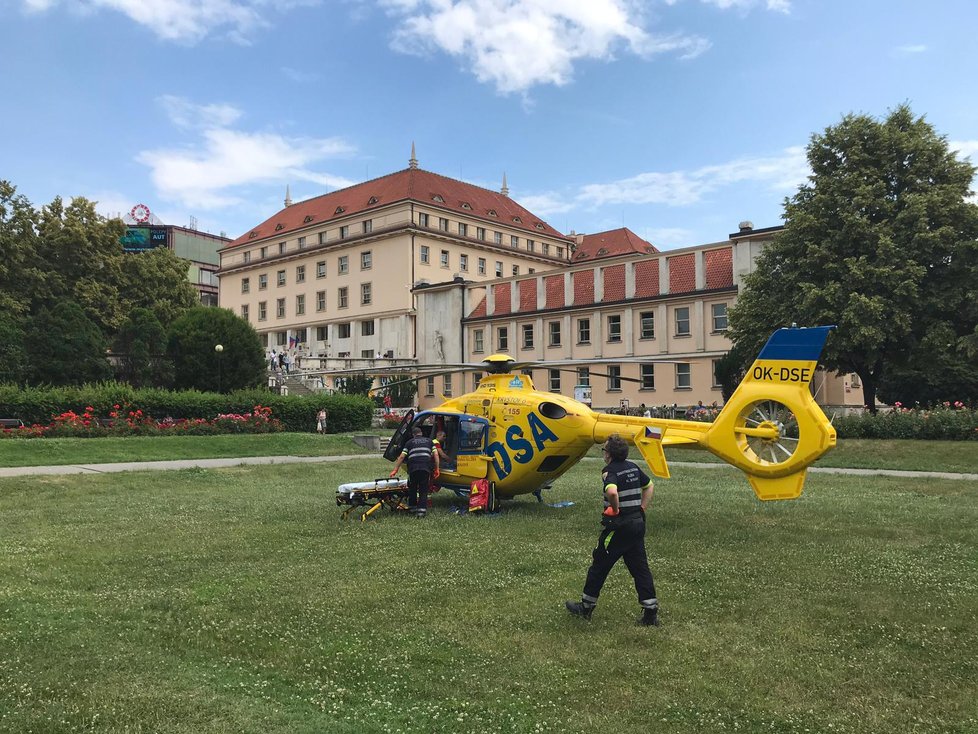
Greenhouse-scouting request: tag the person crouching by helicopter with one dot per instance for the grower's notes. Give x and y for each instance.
(627, 494)
(421, 457)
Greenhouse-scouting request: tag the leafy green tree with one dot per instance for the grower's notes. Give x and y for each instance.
(141, 349)
(731, 368)
(191, 342)
(401, 393)
(358, 384)
(13, 358)
(157, 280)
(881, 242)
(20, 277)
(65, 347)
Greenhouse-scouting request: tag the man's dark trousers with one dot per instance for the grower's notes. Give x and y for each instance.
(621, 538)
(418, 484)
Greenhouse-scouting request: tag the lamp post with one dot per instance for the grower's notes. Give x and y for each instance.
(219, 348)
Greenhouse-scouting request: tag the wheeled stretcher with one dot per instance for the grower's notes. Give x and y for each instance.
(368, 497)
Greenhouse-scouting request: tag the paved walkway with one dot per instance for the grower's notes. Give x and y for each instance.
(29, 471)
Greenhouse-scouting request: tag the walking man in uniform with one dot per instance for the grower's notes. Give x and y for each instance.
(420, 454)
(627, 495)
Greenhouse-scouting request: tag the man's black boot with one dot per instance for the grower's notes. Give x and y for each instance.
(649, 618)
(579, 609)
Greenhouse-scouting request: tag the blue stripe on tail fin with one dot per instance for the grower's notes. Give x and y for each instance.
(802, 344)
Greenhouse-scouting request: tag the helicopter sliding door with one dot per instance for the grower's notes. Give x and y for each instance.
(472, 436)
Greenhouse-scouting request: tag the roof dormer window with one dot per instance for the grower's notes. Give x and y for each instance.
(372, 200)
(517, 220)
(279, 226)
(602, 251)
(339, 210)
(538, 225)
(252, 235)
(466, 205)
(307, 219)
(492, 213)
(438, 198)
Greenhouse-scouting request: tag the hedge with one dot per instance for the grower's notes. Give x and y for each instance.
(944, 423)
(297, 412)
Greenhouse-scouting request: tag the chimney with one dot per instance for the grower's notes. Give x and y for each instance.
(746, 226)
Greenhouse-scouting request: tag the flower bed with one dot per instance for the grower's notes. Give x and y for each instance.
(946, 422)
(125, 422)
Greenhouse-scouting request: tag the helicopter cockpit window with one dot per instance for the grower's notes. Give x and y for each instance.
(472, 436)
(552, 410)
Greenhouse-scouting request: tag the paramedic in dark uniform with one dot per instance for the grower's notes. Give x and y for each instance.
(627, 494)
(421, 457)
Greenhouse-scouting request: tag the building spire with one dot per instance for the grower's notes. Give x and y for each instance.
(413, 163)
(505, 189)
(288, 197)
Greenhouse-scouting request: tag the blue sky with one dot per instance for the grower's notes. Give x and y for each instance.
(675, 118)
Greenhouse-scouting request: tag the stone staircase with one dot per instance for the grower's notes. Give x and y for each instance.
(295, 385)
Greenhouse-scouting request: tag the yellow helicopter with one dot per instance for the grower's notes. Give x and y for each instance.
(522, 439)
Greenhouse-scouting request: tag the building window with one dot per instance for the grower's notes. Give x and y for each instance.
(447, 386)
(244, 311)
(716, 380)
(422, 219)
(463, 229)
(477, 341)
(343, 297)
(482, 266)
(263, 253)
(463, 262)
(429, 386)
(366, 260)
(584, 331)
(648, 325)
(516, 270)
(684, 379)
(554, 330)
(366, 294)
(343, 330)
(584, 376)
(321, 269)
(648, 376)
(443, 224)
(444, 258)
(529, 246)
(366, 353)
(480, 233)
(368, 226)
(682, 321)
(546, 248)
(614, 328)
(344, 231)
(246, 257)
(281, 248)
(502, 338)
(719, 316)
(614, 377)
(560, 252)
(300, 273)
(514, 241)
(497, 237)
(246, 285)
(262, 281)
(302, 243)
(320, 300)
(322, 333)
(499, 269)
(262, 311)
(527, 336)
(554, 380)
(280, 308)
(300, 305)
(280, 277)
(367, 328)
(322, 238)
(425, 254)
(344, 264)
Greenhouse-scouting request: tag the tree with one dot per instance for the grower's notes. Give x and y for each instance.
(731, 368)
(141, 349)
(13, 358)
(401, 392)
(20, 279)
(881, 242)
(358, 384)
(196, 365)
(65, 347)
(157, 280)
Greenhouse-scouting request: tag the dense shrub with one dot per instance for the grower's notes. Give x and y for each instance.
(948, 422)
(297, 413)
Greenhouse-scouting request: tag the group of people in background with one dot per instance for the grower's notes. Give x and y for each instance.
(282, 361)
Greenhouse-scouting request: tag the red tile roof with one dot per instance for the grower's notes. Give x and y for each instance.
(528, 295)
(583, 287)
(554, 285)
(479, 310)
(502, 298)
(611, 243)
(647, 278)
(719, 268)
(409, 184)
(614, 283)
(682, 273)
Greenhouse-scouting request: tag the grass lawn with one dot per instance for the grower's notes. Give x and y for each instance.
(234, 600)
(951, 456)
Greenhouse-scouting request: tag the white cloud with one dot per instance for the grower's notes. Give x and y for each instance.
(780, 6)
(546, 204)
(914, 48)
(187, 21)
(517, 44)
(225, 160)
(682, 188)
(965, 148)
(669, 237)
